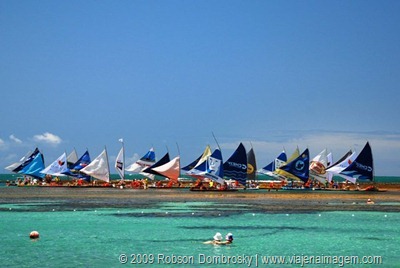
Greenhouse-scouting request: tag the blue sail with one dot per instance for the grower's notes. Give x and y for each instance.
(27, 161)
(82, 162)
(34, 167)
(213, 167)
(236, 166)
(271, 167)
(299, 167)
(362, 167)
(150, 156)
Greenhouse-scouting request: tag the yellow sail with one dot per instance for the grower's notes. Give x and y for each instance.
(285, 174)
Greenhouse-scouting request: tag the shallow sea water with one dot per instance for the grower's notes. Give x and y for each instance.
(160, 233)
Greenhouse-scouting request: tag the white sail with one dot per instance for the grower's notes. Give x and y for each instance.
(57, 167)
(119, 163)
(72, 157)
(146, 161)
(171, 170)
(330, 161)
(16, 164)
(318, 166)
(99, 167)
(336, 169)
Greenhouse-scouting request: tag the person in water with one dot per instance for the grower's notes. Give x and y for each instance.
(218, 239)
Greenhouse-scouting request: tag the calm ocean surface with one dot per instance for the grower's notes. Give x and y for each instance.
(160, 233)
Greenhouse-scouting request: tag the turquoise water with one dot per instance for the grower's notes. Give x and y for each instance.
(158, 234)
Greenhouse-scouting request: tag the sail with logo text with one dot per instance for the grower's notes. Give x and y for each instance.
(298, 168)
(362, 168)
(144, 162)
(269, 169)
(318, 166)
(236, 166)
(99, 168)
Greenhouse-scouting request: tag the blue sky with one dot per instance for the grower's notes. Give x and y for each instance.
(278, 74)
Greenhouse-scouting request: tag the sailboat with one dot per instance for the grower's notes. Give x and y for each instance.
(211, 168)
(15, 165)
(236, 166)
(34, 167)
(74, 169)
(58, 167)
(120, 162)
(341, 164)
(72, 158)
(99, 168)
(26, 160)
(251, 170)
(318, 166)
(30, 165)
(170, 169)
(274, 165)
(199, 160)
(362, 168)
(298, 168)
(144, 162)
(284, 175)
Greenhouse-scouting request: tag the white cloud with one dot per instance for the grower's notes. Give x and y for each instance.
(1, 143)
(15, 139)
(48, 138)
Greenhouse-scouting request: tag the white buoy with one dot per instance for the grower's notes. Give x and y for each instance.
(34, 235)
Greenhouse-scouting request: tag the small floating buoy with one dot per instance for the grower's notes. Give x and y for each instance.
(54, 209)
(385, 215)
(319, 215)
(352, 215)
(192, 213)
(10, 209)
(34, 235)
(254, 214)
